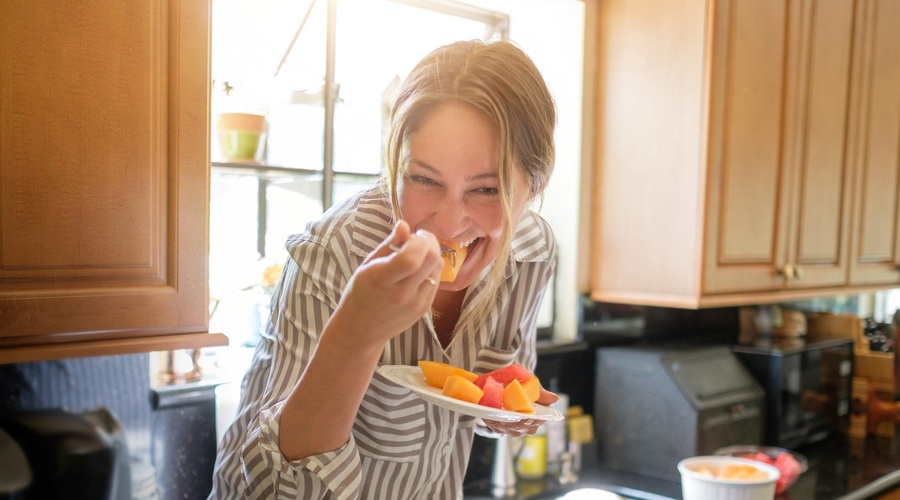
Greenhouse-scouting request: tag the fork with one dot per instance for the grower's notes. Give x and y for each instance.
(445, 250)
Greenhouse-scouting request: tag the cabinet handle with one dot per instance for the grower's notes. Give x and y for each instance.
(786, 271)
(798, 272)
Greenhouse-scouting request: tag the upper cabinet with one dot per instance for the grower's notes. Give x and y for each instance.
(740, 148)
(875, 140)
(104, 177)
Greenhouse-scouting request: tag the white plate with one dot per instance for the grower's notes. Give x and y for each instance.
(411, 377)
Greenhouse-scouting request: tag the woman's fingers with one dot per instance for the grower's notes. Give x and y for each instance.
(392, 243)
(546, 397)
(399, 278)
(522, 427)
(416, 261)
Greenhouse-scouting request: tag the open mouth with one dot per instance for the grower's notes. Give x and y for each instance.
(454, 254)
(458, 251)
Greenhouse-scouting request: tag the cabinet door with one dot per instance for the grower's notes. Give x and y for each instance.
(876, 249)
(746, 220)
(104, 169)
(779, 205)
(815, 143)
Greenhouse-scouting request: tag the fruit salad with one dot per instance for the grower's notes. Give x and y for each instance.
(790, 465)
(512, 388)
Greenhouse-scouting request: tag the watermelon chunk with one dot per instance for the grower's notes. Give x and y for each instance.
(785, 463)
(789, 469)
(505, 375)
(493, 394)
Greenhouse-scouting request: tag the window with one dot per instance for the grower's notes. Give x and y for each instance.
(322, 72)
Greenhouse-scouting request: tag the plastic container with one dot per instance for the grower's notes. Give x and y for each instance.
(531, 462)
(790, 469)
(695, 485)
(557, 437)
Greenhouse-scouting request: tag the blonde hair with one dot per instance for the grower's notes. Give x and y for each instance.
(501, 81)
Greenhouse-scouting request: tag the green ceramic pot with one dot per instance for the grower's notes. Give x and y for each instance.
(241, 136)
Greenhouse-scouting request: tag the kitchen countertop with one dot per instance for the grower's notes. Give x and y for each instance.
(839, 468)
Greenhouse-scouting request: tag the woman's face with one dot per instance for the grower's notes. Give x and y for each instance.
(452, 186)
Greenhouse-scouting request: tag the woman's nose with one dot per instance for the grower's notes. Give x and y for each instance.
(450, 217)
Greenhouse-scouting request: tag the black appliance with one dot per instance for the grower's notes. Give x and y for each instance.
(808, 386)
(656, 405)
(69, 455)
(15, 473)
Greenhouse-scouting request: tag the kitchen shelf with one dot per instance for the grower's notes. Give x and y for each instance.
(276, 172)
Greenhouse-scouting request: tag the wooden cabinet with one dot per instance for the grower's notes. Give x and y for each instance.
(875, 152)
(778, 207)
(104, 177)
(726, 163)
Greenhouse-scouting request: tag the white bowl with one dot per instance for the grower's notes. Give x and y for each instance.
(697, 486)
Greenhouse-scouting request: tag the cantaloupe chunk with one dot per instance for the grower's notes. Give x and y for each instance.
(458, 387)
(452, 262)
(436, 373)
(515, 399)
(532, 387)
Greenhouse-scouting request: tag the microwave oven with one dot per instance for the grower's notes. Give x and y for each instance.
(808, 385)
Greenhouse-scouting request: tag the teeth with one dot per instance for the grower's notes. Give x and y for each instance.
(467, 243)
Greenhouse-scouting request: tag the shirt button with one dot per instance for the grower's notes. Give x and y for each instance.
(445, 449)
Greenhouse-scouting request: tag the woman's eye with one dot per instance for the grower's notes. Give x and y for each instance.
(421, 179)
(490, 191)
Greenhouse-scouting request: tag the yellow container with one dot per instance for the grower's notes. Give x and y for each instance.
(532, 459)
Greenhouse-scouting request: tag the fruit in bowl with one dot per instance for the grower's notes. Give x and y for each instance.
(715, 477)
(789, 463)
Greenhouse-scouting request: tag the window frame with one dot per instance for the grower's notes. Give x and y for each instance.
(497, 25)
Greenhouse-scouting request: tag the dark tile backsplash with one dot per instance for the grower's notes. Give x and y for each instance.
(173, 436)
(119, 383)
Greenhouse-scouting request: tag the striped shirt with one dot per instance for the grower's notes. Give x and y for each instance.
(401, 447)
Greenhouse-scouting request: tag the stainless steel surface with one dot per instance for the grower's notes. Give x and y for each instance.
(503, 474)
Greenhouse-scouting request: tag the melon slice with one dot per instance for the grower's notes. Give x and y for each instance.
(453, 261)
(436, 373)
(493, 394)
(458, 387)
(532, 387)
(515, 399)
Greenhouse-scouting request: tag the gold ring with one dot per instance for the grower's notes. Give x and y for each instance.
(431, 281)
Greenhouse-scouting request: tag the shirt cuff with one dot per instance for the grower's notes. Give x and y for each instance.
(338, 470)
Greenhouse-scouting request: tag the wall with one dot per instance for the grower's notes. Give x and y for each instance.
(551, 32)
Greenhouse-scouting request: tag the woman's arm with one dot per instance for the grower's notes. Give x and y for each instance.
(386, 295)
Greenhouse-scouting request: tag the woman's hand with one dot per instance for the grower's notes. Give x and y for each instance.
(526, 425)
(514, 429)
(393, 288)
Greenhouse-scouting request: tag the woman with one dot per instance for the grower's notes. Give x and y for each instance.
(470, 144)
